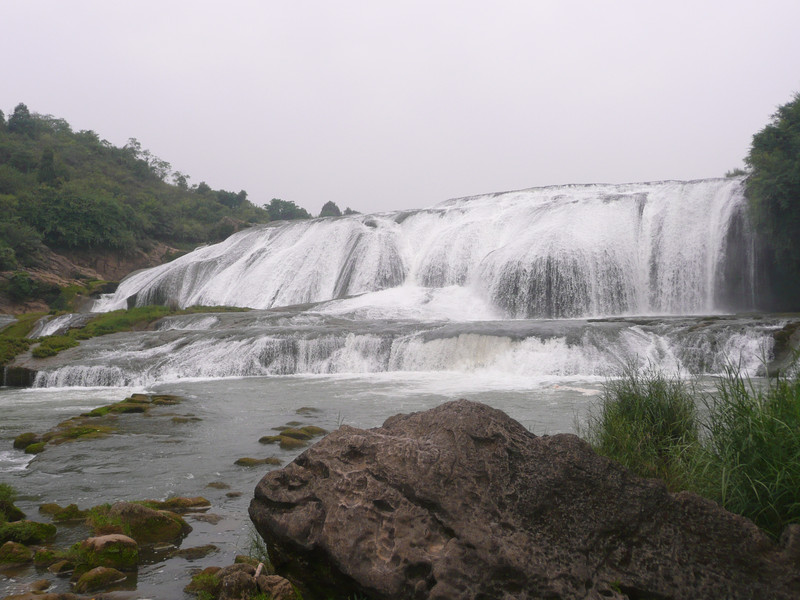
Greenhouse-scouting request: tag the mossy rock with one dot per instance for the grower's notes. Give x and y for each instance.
(166, 400)
(50, 508)
(99, 578)
(314, 431)
(100, 411)
(70, 513)
(254, 462)
(34, 448)
(269, 439)
(241, 559)
(290, 443)
(15, 553)
(11, 512)
(116, 551)
(206, 581)
(61, 567)
(294, 423)
(24, 440)
(178, 504)
(307, 410)
(139, 398)
(27, 532)
(129, 407)
(219, 485)
(44, 557)
(146, 525)
(195, 553)
(79, 432)
(297, 434)
(179, 419)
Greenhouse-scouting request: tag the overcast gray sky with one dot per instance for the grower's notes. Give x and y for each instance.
(383, 105)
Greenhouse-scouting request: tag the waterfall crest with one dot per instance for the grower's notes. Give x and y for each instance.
(555, 252)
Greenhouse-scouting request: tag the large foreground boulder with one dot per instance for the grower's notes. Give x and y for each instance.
(463, 502)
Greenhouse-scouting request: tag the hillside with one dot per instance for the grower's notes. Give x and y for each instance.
(75, 208)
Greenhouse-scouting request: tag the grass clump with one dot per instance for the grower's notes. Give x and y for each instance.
(648, 422)
(52, 345)
(743, 452)
(750, 462)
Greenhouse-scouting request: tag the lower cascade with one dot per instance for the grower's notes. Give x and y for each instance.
(308, 341)
(669, 248)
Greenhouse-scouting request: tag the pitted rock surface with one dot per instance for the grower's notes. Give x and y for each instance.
(463, 502)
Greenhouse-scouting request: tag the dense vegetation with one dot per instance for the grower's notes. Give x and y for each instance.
(71, 190)
(742, 449)
(773, 190)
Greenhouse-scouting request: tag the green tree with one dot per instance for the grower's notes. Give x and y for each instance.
(283, 210)
(47, 168)
(773, 191)
(21, 121)
(329, 209)
(2, 121)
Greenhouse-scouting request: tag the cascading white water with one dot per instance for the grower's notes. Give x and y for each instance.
(566, 251)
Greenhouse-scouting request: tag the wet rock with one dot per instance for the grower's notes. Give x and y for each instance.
(15, 553)
(98, 578)
(35, 595)
(297, 434)
(179, 504)
(254, 462)
(463, 502)
(290, 443)
(40, 585)
(147, 525)
(61, 567)
(219, 485)
(35, 448)
(24, 440)
(206, 581)
(116, 551)
(11, 512)
(196, 553)
(208, 518)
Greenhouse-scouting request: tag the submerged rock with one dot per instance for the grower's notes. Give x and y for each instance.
(98, 578)
(15, 553)
(463, 502)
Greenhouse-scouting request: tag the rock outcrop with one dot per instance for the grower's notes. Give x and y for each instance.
(463, 502)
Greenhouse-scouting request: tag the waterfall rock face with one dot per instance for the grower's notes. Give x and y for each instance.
(463, 502)
(563, 251)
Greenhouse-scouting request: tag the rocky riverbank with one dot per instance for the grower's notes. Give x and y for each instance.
(463, 502)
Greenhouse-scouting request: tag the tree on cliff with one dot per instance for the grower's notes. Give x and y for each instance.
(285, 210)
(329, 209)
(773, 190)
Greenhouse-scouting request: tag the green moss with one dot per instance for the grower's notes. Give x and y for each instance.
(52, 345)
(97, 579)
(15, 553)
(314, 431)
(269, 439)
(24, 440)
(44, 557)
(27, 532)
(297, 434)
(254, 462)
(290, 443)
(205, 583)
(34, 448)
(119, 555)
(70, 513)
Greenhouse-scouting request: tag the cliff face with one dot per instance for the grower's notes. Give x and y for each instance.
(70, 268)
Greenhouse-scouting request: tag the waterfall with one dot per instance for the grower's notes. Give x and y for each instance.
(666, 248)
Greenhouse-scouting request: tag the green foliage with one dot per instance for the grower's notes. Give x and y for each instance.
(747, 456)
(73, 190)
(329, 209)
(7, 493)
(737, 172)
(751, 461)
(773, 190)
(282, 210)
(647, 422)
(52, 345)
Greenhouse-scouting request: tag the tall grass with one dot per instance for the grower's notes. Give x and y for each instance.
(648, 422)
(742, 449)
